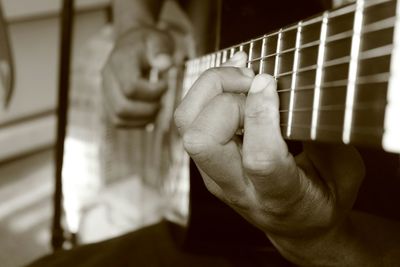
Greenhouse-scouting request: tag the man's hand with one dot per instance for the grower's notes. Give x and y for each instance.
(131, 99)
(294, 200)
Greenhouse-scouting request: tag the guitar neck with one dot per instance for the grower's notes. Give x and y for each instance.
(338, 74)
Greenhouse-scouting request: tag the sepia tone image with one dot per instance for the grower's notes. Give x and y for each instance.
(226, 133)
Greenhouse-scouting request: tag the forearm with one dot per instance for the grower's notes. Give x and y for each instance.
(135, 13)
(362, 240)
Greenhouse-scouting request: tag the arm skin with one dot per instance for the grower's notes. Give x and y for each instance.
(302, 203)
(362, 240)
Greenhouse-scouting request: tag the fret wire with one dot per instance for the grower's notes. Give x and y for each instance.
(241, 48)
(197, 67)
(318, 76)
(218, 59)
(278, 47)
(391, 140)
(294, 78)
(250, 54)
(232, 52)
(191, 77)
(201, 64)
(353, 67)
(224, 56)
(263, 51)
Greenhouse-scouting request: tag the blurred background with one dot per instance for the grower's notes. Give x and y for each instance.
(104, 194)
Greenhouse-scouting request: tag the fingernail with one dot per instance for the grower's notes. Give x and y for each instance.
(260, 82)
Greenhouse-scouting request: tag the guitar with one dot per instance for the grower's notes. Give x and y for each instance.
(338, 74)
(6, 64)
(338, 78)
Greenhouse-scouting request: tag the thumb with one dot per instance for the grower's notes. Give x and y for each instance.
(159, 50)
(266, 159)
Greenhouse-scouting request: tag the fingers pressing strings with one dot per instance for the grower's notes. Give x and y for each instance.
(266, 159)
(213, 99)
(211, 144)
(232, 78)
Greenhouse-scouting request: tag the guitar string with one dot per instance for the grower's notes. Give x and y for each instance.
(333, 128)
(368, 54)
(386, 23)
(377, 52)
(341, 107)
(289, 50)
(331, 14)
(371, 53)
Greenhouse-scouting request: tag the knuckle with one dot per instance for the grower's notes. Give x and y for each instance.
(195, 143)
(212, 75)
(275, 210)
(225, 99)
(153, 109)
(237, 201)
(129, 89)
(257, 110)
(122, 111)
(259, 167)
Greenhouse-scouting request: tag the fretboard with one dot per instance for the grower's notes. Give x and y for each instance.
(338, 74)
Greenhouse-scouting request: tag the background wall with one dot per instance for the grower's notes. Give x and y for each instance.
(29, 123)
